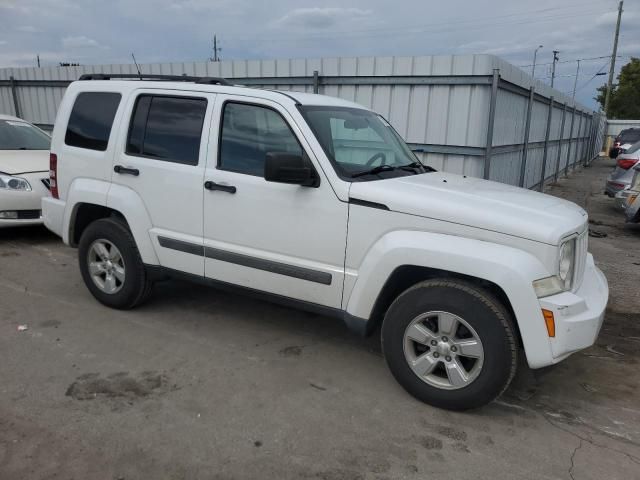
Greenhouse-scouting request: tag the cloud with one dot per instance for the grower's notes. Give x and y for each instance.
(3, 42)
(317, 17)
(28, 29)
(79, 42)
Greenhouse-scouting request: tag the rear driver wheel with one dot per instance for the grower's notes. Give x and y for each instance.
(111, 266)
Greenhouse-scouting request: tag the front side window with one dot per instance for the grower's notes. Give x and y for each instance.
(360, 144)
(91, 120)
(17, 135)
(167, 128)
(248, 133)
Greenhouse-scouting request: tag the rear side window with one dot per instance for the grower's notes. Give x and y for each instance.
(167, 128)
(91, 120)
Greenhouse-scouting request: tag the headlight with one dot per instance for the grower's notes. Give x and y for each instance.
(566, 263)
(7, 182)
(564, 278)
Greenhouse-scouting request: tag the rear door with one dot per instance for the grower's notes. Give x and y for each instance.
(161, 156)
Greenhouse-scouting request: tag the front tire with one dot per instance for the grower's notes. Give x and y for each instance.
(450, 344)
(111, 266)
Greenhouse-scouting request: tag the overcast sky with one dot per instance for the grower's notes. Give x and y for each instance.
(99, 32)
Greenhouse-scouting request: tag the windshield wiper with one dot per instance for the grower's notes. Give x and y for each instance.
(374, 170)
(417, 167)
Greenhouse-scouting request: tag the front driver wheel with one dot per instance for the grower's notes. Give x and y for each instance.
(450, 344)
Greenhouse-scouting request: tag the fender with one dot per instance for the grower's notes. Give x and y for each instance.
(82, 190)
(129, 203)
(511, 269)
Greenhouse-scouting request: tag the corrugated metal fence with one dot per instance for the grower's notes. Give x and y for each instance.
(471, 114)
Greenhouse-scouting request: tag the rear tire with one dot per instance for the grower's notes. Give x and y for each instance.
(450, 344)
(111, 266)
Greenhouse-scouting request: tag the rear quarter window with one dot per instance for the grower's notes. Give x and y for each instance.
(167, 128)
(91, 120)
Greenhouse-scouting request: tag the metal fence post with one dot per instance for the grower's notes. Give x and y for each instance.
(14, 93)
(546, 145)
(527, 130)
(583, 148)
(564, 114)
(578, 144)
(492, 117)
(316, 81)
(573, 119)
(590, 144)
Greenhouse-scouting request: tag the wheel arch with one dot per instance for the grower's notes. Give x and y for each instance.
(401, 259)
(405, 276)
(92, 200)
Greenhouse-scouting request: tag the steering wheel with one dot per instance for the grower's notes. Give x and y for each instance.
(375, 157)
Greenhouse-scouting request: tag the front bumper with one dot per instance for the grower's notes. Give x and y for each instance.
(578, 315)
(21, 201)
(613, 187)
(6, 223)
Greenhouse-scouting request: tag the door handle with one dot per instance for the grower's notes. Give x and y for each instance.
(126, 170)
(209, 185)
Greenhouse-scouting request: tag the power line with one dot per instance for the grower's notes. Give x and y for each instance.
(570, 61)
(594, 76)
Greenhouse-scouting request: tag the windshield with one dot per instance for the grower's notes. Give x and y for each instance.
(17, 135)
(630, 136)
(361, 144)
(633, 148)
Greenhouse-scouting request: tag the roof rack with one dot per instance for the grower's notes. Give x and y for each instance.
(143, 76)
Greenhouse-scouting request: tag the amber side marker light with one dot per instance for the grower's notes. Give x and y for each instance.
(550, 322)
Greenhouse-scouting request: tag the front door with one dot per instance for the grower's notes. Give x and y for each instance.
(283, 239)
(161, 157)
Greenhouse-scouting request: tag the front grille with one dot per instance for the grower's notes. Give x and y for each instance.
(46, 182)
(582, 244)
(28, 214)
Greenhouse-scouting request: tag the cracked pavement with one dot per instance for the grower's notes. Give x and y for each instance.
(201, 384)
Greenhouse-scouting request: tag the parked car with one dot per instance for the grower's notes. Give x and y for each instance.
(631, 203)
(24, 171)
(317, 203)
(621, 176)
(623, 141)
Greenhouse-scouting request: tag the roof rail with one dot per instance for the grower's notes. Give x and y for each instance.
(144, 76)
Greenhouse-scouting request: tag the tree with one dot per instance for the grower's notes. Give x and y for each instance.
(624, 103)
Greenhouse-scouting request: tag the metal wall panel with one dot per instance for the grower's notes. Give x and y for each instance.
(448, 120)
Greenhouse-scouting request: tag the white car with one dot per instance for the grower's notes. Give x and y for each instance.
(24, 171)
(317, 203)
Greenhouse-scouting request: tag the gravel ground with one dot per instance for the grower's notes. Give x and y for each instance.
(199, 384)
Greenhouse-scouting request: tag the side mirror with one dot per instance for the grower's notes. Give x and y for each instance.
(290, 168)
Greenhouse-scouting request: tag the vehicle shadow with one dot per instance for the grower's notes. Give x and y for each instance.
(28, 234)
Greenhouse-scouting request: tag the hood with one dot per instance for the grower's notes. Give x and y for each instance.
(477, 203)
(14, 162)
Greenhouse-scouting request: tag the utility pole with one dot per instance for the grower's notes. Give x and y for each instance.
(553, 67)
(216, 49)
(533, 68)
(575, 82)
(612, 67)
(38, 60)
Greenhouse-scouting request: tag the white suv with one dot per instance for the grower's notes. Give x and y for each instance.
(318, 203)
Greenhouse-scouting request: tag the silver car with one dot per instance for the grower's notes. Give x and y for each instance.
(621, 177)
(632, 200)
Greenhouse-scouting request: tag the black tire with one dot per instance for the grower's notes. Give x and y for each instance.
(483, 312)
(136, 286)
